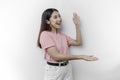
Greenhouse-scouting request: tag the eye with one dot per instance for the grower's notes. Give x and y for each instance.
(59, 15)
(55, 17)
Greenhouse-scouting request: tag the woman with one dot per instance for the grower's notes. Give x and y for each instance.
(55, 45)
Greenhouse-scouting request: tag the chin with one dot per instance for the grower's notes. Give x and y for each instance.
(58, 27)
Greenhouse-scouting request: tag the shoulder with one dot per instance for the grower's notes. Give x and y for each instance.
(63, 34)
(45, 33)
(66, 36)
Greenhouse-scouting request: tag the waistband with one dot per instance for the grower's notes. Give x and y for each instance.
(58, 63)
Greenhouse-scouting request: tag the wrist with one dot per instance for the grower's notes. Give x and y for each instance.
(77, 25)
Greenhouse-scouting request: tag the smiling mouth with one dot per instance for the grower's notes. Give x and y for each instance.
(58, 23)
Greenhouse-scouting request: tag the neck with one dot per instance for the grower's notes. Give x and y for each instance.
(54, 30)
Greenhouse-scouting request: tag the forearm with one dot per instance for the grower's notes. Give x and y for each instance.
(76, 20)
(78, 34)
(61, 57)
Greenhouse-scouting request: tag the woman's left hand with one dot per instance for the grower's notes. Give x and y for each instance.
(76, 19)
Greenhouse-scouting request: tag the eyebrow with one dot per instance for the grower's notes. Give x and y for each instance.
(56, 15)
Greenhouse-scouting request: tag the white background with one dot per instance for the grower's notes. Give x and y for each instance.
(21, 59)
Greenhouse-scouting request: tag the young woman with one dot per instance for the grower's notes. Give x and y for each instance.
(55, 45)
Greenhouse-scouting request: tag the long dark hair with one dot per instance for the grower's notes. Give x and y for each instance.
(44, 26)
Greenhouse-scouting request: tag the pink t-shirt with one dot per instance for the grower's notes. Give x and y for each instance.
(59, 40)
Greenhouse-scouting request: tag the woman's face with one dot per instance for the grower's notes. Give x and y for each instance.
(55, 20)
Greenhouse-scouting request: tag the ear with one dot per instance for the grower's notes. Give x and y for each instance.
(48, 22)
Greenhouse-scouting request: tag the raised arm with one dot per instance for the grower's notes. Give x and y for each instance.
(76, 20)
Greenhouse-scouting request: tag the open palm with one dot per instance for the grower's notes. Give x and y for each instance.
(76, 19)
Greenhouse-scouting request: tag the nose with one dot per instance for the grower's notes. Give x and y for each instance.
(59, 19)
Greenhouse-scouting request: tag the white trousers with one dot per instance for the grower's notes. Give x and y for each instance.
(58, 72)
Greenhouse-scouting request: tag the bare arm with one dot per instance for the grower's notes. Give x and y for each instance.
(78, 41)
(52, 51)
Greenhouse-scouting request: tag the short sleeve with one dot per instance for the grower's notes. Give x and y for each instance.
(46, 40)
(69, 40)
